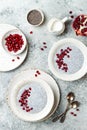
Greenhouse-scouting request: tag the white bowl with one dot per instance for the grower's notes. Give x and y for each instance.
(67, 76)
(14, 31)
(32, 117)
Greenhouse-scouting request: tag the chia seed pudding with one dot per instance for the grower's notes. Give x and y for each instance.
(36, 99)
(35, 17)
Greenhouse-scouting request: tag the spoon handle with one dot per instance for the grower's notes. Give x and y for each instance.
(57, 117)
(64, 115)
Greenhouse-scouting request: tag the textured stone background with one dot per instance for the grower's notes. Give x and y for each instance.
(14, 12)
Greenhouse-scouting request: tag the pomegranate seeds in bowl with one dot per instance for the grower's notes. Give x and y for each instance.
(14, 42)
(80, 25)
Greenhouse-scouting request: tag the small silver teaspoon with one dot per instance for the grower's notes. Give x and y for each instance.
(70, 97)
(74, 105)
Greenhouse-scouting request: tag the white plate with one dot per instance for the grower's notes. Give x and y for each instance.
(64, 76)
(36, 115)
(25, 75)
(6, 63)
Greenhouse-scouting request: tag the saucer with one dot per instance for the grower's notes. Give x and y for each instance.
(37, 74)
(9, 62)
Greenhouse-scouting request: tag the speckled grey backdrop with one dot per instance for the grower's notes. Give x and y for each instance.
(14, 12)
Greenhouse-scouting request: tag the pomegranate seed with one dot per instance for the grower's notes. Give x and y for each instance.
(44, 43)
(70, 12)
(23, 108)
(31, 108)
(42, 49)
(72, 16)
(68, 56)
(77, 109)
(13, 60)
(71, 113)
(45, 46)
(75, 114)
(31, 32)
(18, 58)
(38, 72)
(30, 88)
(35, 75)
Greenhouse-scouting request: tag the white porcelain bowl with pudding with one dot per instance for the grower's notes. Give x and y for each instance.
(31, 100)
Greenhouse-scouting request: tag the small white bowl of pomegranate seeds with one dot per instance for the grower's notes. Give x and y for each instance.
(14, 42)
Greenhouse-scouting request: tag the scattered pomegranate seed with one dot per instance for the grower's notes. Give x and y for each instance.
(35, 75)
(72, 16)
(42, 49)
(71, 113)
(44, 43)
(70, 12)
(38, 72)
(45, 46)
(75, 114)
(14, 42)
(77, 109)
(18, 57)
(13, 60)
(31, 32)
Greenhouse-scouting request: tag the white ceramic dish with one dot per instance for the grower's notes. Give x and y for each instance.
(6, 63)
(14, 31)
(31, 116)
(66, 76)
(25, 75)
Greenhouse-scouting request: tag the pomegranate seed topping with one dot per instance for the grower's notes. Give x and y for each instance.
(13, 60)
(60, 59)
(14, 42)
(71, 113)
(23, 100)
(18, 58)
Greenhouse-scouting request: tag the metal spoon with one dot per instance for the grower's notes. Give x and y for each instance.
(74, 105)
(70, 97)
